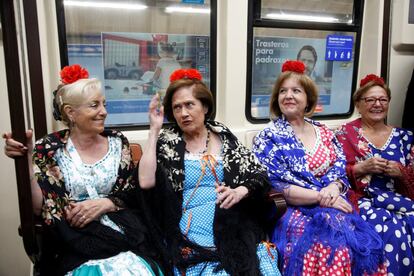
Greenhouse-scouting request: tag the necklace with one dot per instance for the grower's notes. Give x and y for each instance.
(206, 146)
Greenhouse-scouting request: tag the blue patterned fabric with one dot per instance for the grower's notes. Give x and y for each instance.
(285, 158)
(197, 219)
(390, 213)
(125, 264)
(284, 155)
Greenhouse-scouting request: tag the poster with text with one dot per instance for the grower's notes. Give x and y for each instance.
(333, 78)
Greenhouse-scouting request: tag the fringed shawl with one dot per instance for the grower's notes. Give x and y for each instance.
(278, 148)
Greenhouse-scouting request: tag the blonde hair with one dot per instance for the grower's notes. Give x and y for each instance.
(75, 94)
(306, 82)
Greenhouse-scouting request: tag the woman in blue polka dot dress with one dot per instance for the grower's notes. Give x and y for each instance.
(380, 167)
(214, 216)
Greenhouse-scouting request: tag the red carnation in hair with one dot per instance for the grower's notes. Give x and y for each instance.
(293, 66)
(192, 74)
(72, 73)
(371, 77)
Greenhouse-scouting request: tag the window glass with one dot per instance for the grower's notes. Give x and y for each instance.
(330, 67)
(133, 46)
(332, 11)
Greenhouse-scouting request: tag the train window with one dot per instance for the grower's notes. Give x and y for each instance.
(133, 46)
(329, 50)
(309, 11)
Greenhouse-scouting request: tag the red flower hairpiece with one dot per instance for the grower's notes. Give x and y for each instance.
(192, 74)
(293, 66)
(371, 77)
(72, 73)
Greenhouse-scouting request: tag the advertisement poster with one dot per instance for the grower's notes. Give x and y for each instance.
(333, 78)
(135, 66)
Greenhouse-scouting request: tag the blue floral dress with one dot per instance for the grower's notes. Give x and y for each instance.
(93, 181)
(199, 201)
(310, 236)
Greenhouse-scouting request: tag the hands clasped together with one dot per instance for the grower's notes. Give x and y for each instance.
(378, 165)
(79, 214)
(330, 197)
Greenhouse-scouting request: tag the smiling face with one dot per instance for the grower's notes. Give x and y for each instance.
(188, 111)
(89, 117)
(374, 104)
(292, 98)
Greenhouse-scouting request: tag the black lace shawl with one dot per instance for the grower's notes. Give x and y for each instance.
(237, 230)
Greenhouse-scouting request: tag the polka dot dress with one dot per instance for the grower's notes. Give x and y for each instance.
(198, 216)
(319, 158)
(390, 213)
(316, 260)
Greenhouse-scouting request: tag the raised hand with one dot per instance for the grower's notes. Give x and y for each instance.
(156, 112)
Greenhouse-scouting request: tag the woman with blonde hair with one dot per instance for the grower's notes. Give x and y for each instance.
(83, 187)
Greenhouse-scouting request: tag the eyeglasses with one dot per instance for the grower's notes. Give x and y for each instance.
(372, 100)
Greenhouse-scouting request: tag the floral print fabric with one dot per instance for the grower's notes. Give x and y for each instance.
(50, 178)
(303, 229)
(389, 212)
(285, 157)
(240, 165)
(239, 228)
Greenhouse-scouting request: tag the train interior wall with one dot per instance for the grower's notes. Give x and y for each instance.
(231, 90)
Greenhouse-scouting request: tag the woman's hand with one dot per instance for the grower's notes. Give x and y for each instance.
(374, 165)
(228, 197)
(328, 195)
(156, 113)
(79, 214)
(13, 149)
(342, 205)
(393, 169)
